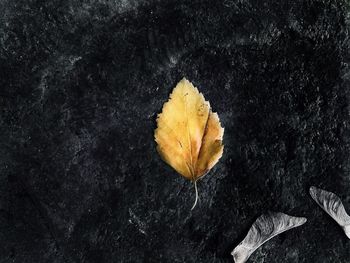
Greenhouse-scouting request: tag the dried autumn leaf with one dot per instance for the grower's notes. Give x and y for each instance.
(189, 135)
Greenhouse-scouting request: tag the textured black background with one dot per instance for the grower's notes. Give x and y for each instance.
(81, 85)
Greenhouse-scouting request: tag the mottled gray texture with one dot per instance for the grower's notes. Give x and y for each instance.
(81, 83)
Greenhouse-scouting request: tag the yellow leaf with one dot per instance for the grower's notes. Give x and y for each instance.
(189, 134)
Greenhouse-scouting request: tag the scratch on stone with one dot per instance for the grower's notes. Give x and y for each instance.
(43, 84)
(135, 220)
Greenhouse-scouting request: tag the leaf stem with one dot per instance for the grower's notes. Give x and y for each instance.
(196, 190)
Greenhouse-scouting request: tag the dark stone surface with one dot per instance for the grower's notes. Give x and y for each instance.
(81, 85)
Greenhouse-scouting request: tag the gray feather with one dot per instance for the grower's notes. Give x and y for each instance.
(333, 206)
(264, 228)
